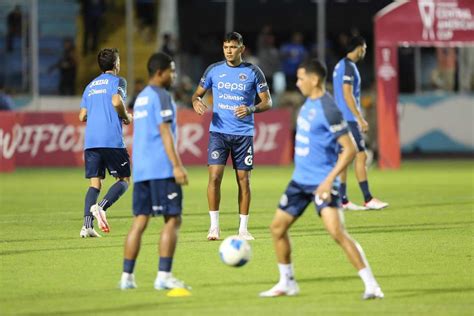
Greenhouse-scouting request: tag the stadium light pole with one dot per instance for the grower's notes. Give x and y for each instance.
(129, 40)
(34, 52)
(229, 15)
(321, 28)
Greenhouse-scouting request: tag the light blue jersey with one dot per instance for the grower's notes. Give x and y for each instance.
(231, 88)
(152, 107)
(319, 125)
(104, 126)
(346, 72)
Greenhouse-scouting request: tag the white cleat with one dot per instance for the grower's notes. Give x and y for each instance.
(281, 289)
(375, 204)
(127, 282)
(245, 235)
(88, 232)
(349, 206)
(373, 294)
(101, 217)
(170, 283)
(214, 233)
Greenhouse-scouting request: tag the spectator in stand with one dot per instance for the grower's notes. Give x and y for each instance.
(13, 26)
(292, 54)
(169, 45)
(444, 74)
(269, 58)
(92, 11)
(67, 66)
(6, 102)
(138, 87)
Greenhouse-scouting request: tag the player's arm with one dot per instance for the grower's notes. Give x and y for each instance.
(83, 115)
(119, 104)
(180, 174)
(345, 158)
(351, 103)
(198, 104)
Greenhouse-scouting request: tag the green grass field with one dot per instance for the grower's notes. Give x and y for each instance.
(420, 249)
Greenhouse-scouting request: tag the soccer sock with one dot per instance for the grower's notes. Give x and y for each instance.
(364, 186)
(342, 192)
(244, 219)
(368, 278)
(128, 265)
(214, 219)
(91, 198)
(165, 264)
(286, 272)
(114, 193)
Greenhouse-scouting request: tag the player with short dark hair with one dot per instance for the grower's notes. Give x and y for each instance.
(236, 85)
(103, 110)
(347, 83)
(158, 173)
(320, 127)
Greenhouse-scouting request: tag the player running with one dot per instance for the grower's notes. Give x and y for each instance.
(319, 128)
(103, 110)
(236, 85)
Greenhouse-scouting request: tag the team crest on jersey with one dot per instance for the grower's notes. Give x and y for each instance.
(311, 114)
(243, 77)
(215, 154)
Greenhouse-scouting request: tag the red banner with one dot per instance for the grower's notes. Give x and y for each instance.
(57, 138)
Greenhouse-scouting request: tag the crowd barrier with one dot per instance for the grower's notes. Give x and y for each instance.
(47, 139)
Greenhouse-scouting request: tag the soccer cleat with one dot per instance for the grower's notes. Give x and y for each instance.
(88, 232)
(349, 206)
(127, 282)
(280, 289)
(375, 204)
(214, 233)
(246, 235)
(99, 214)
(170, 283)
(373, 294)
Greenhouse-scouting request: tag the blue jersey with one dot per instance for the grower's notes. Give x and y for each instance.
(346, 72)
(319, 125)
(104, 126)
(231, 88)
(152, 107)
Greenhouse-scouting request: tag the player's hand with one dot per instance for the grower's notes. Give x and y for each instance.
(241, 111)
(364, 126)
(128, 120)
(180, 175)
(323, 192)
(199, 106)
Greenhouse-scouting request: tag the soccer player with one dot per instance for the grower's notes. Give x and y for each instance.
(103, 110)
(157, 173)
(346, 82)
(319, 127)
(236, 85)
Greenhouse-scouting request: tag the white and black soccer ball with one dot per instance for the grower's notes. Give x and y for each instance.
(235, 251)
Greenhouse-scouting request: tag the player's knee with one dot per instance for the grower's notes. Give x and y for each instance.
(277, 229)
(215, 179)
(337, 233)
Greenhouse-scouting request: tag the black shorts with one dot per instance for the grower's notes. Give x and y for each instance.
(239, 147)
(116, 160)
(157, 197)
(297, 197)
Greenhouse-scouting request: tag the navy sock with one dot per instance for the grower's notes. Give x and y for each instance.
(342, 192)
(128, 265)
(165, 264)
(114, 193)
(91, 198)
(88, 221)
(364, 186)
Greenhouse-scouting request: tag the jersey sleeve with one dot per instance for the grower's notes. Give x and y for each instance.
(206, 79)
(260, 80)
(122, 88)
(348, 76)
(163, 108)
(337, 125)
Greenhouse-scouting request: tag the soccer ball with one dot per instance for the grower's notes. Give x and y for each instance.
(235, 251)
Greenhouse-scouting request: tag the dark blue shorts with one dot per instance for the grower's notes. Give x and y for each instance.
(240, 149)
(297, 197)
(157, 197)
(116, 160)
(357, 134)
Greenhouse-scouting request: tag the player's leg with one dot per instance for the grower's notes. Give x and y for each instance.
(94, 171)
(142, 209)
(169, 196)
(242, 160)
(334, 225)
(218, 152)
